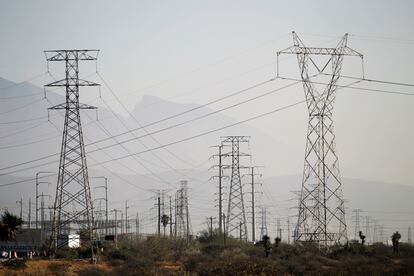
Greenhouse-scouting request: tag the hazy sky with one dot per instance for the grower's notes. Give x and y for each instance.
(196, 51)
(178, 49)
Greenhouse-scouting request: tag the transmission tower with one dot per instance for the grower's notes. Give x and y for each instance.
(183, 226)
(367, 228)
(357, 224)
(321, 209)
(73, 211)
(263, 228)
(236, 223)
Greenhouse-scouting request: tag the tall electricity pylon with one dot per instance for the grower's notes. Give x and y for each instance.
(263, 228)
(321, 209)
(73, 211)
(183, 226)
(236, 214)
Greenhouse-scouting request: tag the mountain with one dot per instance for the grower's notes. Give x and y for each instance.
(26, 135)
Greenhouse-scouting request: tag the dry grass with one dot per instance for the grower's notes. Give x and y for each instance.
(56, 267)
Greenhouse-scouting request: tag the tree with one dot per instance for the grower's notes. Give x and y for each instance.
(9, 225)
(266, 244)
(165, 219)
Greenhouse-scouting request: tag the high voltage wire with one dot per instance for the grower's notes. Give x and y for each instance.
(172, 143)
(205, 66)
(22, 130)
(106, 131)
(373, 80)
(151, 124)
(106, 168)
(20, 107)
(42, 158)
(189, 110)
(21, 83)
(356, 88)
(142, 143)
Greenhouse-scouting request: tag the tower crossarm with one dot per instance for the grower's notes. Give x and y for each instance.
(70, 82)
(63, 55)
(299, 50)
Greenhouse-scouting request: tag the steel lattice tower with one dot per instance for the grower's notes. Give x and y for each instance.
(236, 212)
(182, 224)
(263, 228)
(321, 209)
(73, 210)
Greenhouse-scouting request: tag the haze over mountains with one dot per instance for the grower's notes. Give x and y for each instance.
(132, 178)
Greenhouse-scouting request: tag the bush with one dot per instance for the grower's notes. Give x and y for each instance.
(58, 268)
(92, 271)
(67, 253)
(16, 264)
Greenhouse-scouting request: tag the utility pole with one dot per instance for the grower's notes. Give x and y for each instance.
(116, 224)
(20, 202)
(37, 192)
(236, 211)
(126, 217)
(30, 213)
(321, 215)
(106, 200)
(279, 229)
(240, 231)
(122, 223)
(159, 216)
(72, 190)
(137, 225)
(253, 183)
(175, 215)
(210, 225)
(224, 227)
(288, 230)
(171, 222)
(220, 185)
(409, 235)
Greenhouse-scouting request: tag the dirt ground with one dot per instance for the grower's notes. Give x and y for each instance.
(54, 267)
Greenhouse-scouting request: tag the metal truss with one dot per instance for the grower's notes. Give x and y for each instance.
(182, 220)
(73, 209)
(236, 215)
(321, 207)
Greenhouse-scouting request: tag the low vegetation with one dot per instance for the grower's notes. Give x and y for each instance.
(208, 256)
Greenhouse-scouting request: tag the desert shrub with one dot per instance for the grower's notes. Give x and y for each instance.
(191, 264)
(58, 268)
(66, 253)
(117, 254)
(16, 264)
(91, 271)
(136, 266)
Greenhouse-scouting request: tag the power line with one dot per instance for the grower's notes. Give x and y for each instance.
(373, 80)
(108, 133)
(150, 124)
(179, 114)
(357, 88)
(168, 144)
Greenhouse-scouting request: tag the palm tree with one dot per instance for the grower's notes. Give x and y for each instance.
(9, 225)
